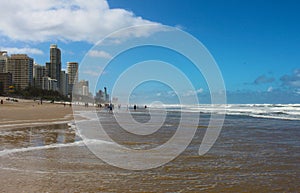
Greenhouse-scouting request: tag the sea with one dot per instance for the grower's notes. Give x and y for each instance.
(257, 150)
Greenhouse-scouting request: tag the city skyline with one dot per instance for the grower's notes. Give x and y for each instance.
(19, 72)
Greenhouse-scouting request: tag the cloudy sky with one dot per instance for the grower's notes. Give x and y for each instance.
(256, 44)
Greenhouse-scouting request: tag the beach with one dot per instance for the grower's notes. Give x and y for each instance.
(252, 154)
(32, 113)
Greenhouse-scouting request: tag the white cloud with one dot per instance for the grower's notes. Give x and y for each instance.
(158, 94)
(91, 73)
(100, 54)
(193, 92)
(181, 27)
(171, 93)
(68, 20)
(25, 50)
(270, 89)
(200, 90)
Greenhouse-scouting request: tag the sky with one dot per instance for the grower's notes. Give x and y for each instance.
(256, 44)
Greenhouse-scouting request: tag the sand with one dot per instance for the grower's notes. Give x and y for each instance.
(31, 113)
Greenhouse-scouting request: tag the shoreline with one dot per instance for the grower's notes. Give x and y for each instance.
(27, 113)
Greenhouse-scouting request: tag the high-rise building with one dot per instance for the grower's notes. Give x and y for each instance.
(3, 59)
(73, 77)
(21, 68)
(99, 98)
(49, 84)
(47, 68)
(64, 81)
(106, 95)
(82, 88)
(54, 66)
(38, 73)
(102, 97)
(5, 82)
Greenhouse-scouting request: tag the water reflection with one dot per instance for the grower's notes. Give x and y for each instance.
(37, 136)
(251, 155)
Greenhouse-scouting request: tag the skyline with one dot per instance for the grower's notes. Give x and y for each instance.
(254, 43)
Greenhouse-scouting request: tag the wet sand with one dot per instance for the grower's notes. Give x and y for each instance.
(250, 155)
(32, 113)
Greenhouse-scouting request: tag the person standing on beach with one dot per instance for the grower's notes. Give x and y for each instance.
(134, 107)
(111, 108)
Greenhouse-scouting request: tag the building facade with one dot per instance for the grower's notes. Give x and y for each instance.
(102, 97)
(38, 73)
(3, 60)
(54, 66)
(5, 82)
(64, 82)
(21, 68)
(50, 84)
(72, 68)
(82, 88)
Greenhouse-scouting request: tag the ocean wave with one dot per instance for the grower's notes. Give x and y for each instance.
(271, 111)
(25, 149)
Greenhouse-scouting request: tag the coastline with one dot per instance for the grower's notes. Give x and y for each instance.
(27, 113)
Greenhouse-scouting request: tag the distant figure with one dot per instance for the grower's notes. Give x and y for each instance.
(119, 106)
(134, 107)
(1, 102)
(111, 108)
(145, 106)
(41, 101)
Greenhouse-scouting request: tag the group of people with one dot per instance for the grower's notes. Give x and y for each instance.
(110, 107)
(135, 107)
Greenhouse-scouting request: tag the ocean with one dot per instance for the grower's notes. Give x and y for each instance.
(258, 150)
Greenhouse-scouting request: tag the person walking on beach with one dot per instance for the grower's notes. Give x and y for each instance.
(110, 108)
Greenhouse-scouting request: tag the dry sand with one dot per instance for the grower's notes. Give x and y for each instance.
(31, 113)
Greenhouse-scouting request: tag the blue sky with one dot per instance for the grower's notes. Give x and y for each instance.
(256, 44)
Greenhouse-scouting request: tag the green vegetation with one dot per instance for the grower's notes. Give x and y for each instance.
(36, 93)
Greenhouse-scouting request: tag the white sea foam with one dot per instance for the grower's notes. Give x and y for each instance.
(77, 143)
(272, 111)
(30, 124)
(25, 149)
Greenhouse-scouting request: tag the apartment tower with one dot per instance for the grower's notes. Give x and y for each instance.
(72, 68)
(21, 68)
(54, 66)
